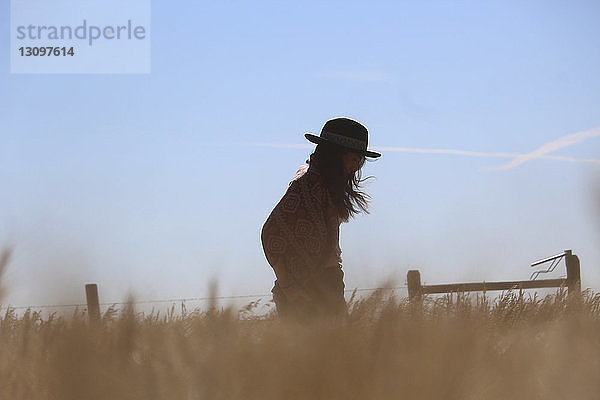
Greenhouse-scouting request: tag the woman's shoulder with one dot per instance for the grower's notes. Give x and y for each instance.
(310, 183)
(308, 171)
(302, 170)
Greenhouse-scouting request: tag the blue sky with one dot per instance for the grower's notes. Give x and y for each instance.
(156, 183)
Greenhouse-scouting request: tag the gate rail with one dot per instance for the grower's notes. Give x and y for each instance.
(572, 282)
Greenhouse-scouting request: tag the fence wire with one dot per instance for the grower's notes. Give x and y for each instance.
(180, 300)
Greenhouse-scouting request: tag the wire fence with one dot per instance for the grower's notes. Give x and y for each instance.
(179, 300)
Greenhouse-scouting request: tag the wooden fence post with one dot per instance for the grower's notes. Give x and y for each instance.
(573, 274)
(93, 304)
(413, 280)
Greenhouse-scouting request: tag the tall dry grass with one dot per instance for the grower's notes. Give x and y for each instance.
(456, 347)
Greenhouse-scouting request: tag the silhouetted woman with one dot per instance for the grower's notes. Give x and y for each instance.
(301, 235)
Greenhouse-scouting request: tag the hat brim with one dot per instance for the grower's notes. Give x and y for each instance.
(318, 140)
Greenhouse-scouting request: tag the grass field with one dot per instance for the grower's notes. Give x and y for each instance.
(454, 347)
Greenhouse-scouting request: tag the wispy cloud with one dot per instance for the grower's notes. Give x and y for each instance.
(358, 76)
(283, 145)
(457, 152)
(445, 151)
(483, 154)
(552, 146)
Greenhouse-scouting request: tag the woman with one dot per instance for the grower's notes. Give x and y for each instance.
(301, 235)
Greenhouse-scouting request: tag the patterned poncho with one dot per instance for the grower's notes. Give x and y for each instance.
(301, 235)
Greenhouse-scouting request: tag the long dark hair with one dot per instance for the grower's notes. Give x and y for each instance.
(345, 191)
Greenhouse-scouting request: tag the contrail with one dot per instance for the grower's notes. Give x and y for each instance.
(443, 151)
(482, 154)
(284, 145)
(553, 146)
(446, 151)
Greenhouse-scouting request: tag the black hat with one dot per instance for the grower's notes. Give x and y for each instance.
(346, 133)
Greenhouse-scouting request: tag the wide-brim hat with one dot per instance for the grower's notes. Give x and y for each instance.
(346, 133)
